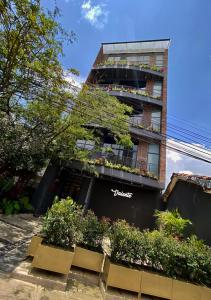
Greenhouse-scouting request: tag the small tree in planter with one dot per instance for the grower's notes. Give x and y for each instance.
(89, 253)
(171, 223)
(120, 269)
(61, 232)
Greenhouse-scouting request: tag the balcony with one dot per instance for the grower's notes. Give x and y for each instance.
(140, 127)
(116, 161)
(137, 94)
(124, 64)
(122, 175)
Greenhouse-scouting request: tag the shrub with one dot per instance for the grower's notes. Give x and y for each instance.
(61, 224)
(189, 260)
(171, 222)
(93, 232)
(10, 206)
(126, 246)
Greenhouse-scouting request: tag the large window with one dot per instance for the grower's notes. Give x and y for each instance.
(159, 60)
(84, 144)
(142, 59)
(117, 154)
(155, 120)
(157, 89)
(114, 58)
(136, 119)
(153, 159)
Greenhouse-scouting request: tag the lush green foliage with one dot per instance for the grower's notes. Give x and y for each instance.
(119, 88)
(171, 222)
(42, 114)
(108, 164)
(61, 225)
(125, 62)
(10, 206)
(187, 259)
(125, 243)
(93, 231)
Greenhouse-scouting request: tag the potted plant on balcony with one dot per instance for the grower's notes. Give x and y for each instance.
(60, 234)
(89, 252)
(121, 269)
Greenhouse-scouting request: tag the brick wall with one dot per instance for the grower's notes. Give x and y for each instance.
(163, 122)
(142, 154)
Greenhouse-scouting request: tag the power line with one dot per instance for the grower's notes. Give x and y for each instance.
(185, 152)
(200, 137)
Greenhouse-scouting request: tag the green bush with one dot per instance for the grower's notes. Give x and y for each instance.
(61, 225)
(188, 259)
(10, 206)
(171, 223)
(93, 232)
(126, 243)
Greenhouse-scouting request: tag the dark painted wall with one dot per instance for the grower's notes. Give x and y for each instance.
(193, 203)
(138, 209)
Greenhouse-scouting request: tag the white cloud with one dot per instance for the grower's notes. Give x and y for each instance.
(86, 5)
(96, 15)
(180, 163)
(75, 82)
(186, 172)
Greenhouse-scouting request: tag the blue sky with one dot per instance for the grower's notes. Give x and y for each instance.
(186, 22)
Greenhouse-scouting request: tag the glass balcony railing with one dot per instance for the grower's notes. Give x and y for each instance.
(128, 89)
(138, 122)
(110, 62)
(116, 157)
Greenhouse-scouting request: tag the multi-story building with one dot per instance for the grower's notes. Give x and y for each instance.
(135, 73)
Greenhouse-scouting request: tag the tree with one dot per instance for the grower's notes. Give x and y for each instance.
(41, 114)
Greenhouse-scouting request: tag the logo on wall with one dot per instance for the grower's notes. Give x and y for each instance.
(122, 194)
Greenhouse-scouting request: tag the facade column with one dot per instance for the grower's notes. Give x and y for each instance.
(87, 198)
(46, 190)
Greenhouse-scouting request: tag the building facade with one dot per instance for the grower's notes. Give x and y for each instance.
(135, 73)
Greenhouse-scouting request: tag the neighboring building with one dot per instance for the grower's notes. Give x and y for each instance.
(191, 195)
(135, 73)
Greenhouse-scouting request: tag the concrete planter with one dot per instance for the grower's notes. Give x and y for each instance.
(121, 277)
(156, 285)
(187, 291)
(35, 242)
(205, 293)
(53, 259)
(87, 259)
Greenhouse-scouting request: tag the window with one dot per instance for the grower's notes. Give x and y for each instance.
(83, 144)
(159, 60)
(142, 59)
(157, 89)
(136, 119)
(117, 154)
(114, 58)
(153, 158)
(155, 120)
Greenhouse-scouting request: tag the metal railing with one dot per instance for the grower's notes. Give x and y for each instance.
(129, 89)
(137, 121)
(121, 156)
(123, 62)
